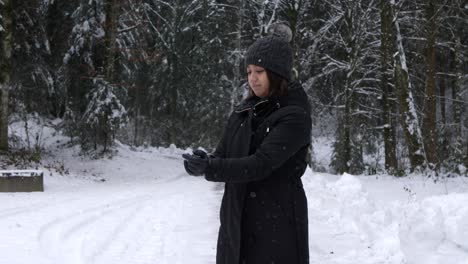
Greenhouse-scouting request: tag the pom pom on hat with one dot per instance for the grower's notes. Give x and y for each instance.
(280, 30)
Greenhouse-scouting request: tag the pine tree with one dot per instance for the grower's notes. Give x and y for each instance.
(32, 76)
(104, 115)
(85, 55)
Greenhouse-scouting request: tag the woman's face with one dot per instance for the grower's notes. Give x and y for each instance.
(258, 80)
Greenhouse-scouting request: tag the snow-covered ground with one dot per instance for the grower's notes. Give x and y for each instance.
(146, 211)
(141, 207)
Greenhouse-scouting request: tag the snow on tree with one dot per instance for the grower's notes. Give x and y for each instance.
(90, 59)
(181, 80)
(89, 18)
(349, 65)
(104, 114)
(85, 55)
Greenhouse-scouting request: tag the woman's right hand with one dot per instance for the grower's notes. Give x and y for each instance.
(197, 163)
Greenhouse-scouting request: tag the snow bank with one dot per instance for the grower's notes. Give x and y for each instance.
(435, 230)
(36, 132)
(353, 228)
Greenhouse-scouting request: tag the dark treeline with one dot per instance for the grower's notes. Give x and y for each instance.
(388, 80)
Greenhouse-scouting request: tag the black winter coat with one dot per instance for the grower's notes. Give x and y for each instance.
(261, 158)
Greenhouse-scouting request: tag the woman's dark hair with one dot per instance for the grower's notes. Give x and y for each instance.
(278, 85)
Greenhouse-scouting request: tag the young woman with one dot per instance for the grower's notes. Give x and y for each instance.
(261, 158)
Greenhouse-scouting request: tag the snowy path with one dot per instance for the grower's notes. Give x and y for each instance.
(167, 220)
(149, 211)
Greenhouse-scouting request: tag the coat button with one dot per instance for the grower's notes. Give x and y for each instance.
(253, 194)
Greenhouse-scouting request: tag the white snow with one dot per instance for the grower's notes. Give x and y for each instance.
(141, 207)
(85, 26)
(20, 173)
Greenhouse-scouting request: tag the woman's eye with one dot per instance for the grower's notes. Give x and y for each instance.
(260, 71)
(248, 73)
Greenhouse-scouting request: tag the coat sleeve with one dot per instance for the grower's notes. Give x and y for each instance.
(291, 133)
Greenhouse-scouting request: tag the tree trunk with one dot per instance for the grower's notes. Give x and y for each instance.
(456, 93)
(111, 34)
(137, 122)
(4, 117)
(429, 123)
(347, 148)
(237, 82)
(408, 115)
(387, 47)
(6, 41)
(459, 147)
(443, 115)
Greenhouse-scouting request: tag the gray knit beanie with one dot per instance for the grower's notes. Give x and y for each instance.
(273, 52)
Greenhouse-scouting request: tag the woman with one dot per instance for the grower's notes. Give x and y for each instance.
(261, 158)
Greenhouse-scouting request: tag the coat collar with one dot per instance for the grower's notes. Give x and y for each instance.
(295, 96)
(251, 103)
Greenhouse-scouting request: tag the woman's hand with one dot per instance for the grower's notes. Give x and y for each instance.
(197, 163)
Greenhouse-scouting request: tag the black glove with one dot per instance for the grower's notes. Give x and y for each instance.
(197, 163)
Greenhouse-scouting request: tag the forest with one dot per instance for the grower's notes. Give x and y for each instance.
(387, 79)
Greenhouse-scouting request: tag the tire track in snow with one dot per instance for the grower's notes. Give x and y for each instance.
(184, 220)
(132, 243)
(66, 238)
(164, 213)
(30, 208)
(65, 235)
(133, 240)
(115, 237)
(168, 229)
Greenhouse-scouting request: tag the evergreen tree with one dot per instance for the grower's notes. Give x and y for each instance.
(104, 115)
(31, 76)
